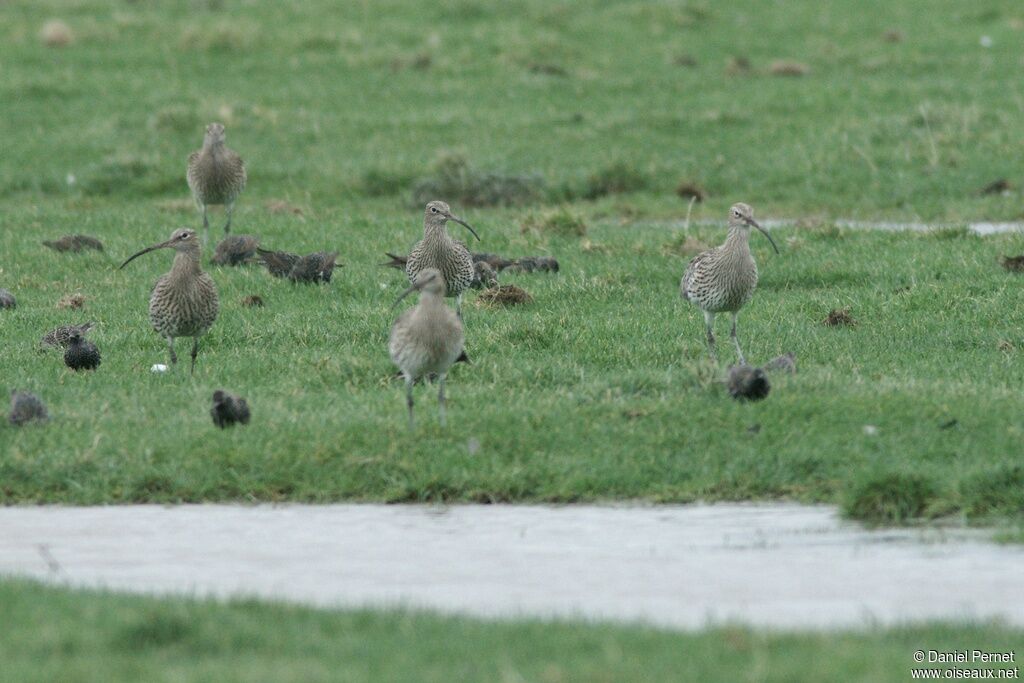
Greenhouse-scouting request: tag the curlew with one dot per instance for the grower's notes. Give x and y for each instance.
(216, 175)
(722, 280)
(81, 354)
(426, 339)
(438, 250)
(183, 302)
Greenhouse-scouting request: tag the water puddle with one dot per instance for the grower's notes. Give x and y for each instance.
(776, 565)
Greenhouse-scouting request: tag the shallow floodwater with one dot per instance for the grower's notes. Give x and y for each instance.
(680, 566)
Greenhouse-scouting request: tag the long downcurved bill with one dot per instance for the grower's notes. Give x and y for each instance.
(144, 251)
(407, 292)
(754, 223)
(465, 225)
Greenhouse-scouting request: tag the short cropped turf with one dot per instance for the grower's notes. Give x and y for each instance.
(600, 388)
(57, 634)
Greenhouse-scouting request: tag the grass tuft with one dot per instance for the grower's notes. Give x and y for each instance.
(618, 178)
(891, 498)
(561, 222)
(994, 493)
(455, 180)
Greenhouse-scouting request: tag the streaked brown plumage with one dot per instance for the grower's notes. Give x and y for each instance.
(62, 335)
(438, 250)
(426, 339)
(215, 174)
(234, 250)
(316, 267)
(74, 243)
(278, 263)
(723, 279)
(184, 301)
(483, 276)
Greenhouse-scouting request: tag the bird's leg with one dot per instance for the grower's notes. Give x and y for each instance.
(458, 307)
(231, 208)
(195, 352)
(408, 399)
(206, 226)
(170, 347)
(442, 402)
(709, 321)
(736, 341)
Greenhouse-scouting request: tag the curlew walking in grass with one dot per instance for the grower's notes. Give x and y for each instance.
(722, 280)
(183, 302)
(216, 175)
(426, 339)
(438, 250)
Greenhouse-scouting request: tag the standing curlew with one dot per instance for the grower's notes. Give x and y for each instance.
(723, 279)
(426, 339)
(438, 250)
(216, 175)
(183, 302)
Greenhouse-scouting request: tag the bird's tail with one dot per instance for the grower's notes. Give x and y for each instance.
(396, 261)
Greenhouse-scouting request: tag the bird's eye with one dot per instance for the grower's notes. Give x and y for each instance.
(183, 236)
(433, 209)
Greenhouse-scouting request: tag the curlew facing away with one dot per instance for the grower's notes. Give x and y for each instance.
(216, 175)
(427, 339)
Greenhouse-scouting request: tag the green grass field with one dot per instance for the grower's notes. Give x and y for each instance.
(56, 634)
(600, 388)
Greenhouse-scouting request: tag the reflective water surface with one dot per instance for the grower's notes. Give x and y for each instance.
(680, 566)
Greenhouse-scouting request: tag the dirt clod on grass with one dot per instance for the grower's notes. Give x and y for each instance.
(738, 66)
(893, 35)
(840, 317)
(748, 384)
(1014, 264)
(504, 295)
(253, 301)
(690, 190)
(72, 301)
(1006, 346)
(786, 67)
(996, 187)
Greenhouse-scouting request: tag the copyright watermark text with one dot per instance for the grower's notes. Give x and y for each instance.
(966, 665)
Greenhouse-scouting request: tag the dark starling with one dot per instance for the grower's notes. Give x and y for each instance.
(747, 383)
(278, 263)
(81, 354)
(7, 299)
(62, 335)
(25, 408)
(529, 264)
(228, 409)
(498, 263)
(234, 250)
(316, 267)
(484, 276)
(74, 243)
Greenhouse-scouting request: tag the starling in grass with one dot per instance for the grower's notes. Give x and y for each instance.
(25, 408)
(529, 264)
(505, 295)
(316, 267)
(234, 250)
(228, 410)
(7, 299)
(278, 263)
(747, 383)
(74, 243)
(81, 354)
(484, 276)
(62, 335)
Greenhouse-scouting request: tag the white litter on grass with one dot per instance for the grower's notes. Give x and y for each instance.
(158, 367)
